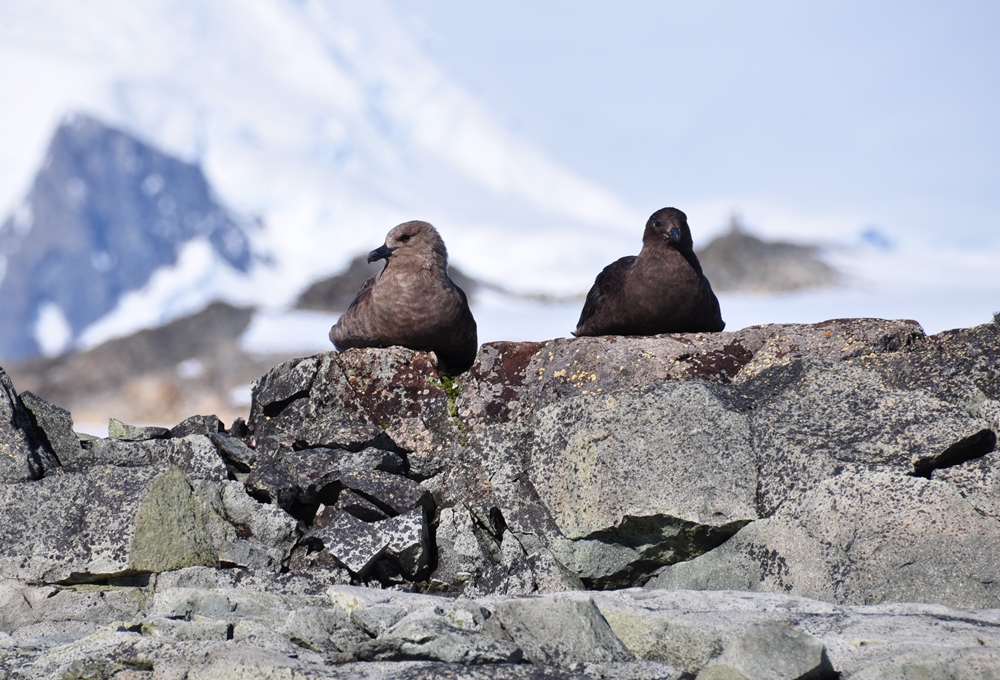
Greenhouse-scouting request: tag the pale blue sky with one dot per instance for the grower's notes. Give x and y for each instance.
(890, 110)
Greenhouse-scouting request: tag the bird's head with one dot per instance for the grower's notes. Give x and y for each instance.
(412, 240)
(670, 225)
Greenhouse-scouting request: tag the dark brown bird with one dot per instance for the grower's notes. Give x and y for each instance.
(412, 302)
(662, 290)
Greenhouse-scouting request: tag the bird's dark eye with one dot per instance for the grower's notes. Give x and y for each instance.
(405, 237)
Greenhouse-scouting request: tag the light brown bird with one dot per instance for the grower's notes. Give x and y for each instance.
(662, 290)
(412, 302)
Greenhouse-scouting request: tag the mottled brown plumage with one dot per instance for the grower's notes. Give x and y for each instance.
(412, 302)
(662, 290)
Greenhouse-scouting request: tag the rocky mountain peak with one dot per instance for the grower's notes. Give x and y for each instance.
(104, 212)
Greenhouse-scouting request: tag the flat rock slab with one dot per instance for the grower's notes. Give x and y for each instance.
(836, 340)
(771, 650)
(511, 379)
(195, 454)
(560, 631)
(692, 629)
(277, 629)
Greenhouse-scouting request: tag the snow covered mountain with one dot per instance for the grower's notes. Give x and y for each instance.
(104, 213)
(322, 119)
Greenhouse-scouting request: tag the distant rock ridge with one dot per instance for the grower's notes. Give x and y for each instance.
(162, 374)
(740, 262)
(734, 262)
(104, 212)
(766, 487)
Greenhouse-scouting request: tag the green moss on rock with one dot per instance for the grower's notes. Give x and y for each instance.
(172, 527)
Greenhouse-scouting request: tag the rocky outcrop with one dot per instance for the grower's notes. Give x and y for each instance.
(733, 475)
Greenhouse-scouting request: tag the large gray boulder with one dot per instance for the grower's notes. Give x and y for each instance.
(859, 538)
(672, 465)
(812, 417)
(676, 449)
(510, 379)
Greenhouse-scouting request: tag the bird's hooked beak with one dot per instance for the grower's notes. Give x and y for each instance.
(381, 253)
(674, 235)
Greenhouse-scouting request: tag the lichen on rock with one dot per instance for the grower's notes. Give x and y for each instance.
(171, 529)
(735, 475)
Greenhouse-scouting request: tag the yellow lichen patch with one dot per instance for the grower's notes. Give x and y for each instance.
(348, 602)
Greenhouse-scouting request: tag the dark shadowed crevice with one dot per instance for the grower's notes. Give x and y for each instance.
(970, 448)
(276, 407)
(128, 577)
(381, 441)
(659, 540)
